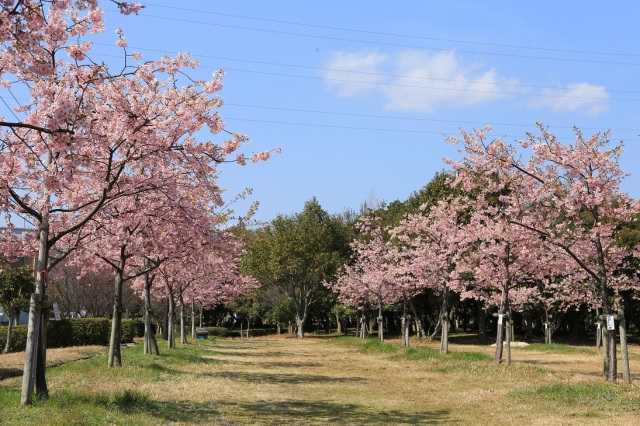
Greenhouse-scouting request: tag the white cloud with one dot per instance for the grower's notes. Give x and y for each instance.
(578, 97)
(416, 80)
(354, 74)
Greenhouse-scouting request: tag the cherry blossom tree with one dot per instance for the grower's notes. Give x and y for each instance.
(207, 274)
(566, 196)
(371, 277)
(430, 245)
(89, 136)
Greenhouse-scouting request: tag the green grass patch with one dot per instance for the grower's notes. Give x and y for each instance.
(557, 347)
(426, 353)
(580, 394)
(375, 345)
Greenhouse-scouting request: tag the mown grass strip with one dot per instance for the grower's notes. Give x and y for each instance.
(583, 394)
(557, 347)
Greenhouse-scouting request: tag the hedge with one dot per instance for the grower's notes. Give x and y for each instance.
(73, 332)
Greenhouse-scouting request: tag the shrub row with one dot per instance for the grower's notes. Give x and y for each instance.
(73, 332)
(225, 332)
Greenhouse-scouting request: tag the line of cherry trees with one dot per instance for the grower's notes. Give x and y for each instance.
(553, 231)
(115, 169)
(551, 237)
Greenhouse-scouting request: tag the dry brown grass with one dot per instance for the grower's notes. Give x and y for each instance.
(315, 381)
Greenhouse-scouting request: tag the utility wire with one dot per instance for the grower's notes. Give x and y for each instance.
(480, 123)
(377, 83)
(289, 33)
(374, 129)
(361, 31)
(374, 74)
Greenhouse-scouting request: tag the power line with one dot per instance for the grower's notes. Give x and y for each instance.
(332, 126)
(190, 21)
(475, 43)
(347, 114)
(374, 74)
(377, 83)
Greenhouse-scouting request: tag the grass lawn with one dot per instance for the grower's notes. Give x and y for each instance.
(328, 380)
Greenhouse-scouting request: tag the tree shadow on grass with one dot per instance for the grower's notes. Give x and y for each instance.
(280, 378)
(6, 373)
(269, 364)
(330, 413)
(253, 354)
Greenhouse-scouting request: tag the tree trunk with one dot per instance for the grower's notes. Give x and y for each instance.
(338, 324)
(300, 325)
(183, 331)
(406, 324)
(193, 319)
(444, 315)
(11, 315)
(421, 334)
(482, 326)
(42, 391)
(115, 359)
(436, 329)
(500, 332)
(171, 339)
(35, 315)
(150, 343)
(380, 324)
(165, 330)
(547, 327)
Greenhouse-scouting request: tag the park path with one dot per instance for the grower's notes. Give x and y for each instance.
(325, 381)
(315, 381)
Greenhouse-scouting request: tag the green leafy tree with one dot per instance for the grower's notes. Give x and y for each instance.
(297, 253)
(16, 286)
(249, 306)
(282, 312)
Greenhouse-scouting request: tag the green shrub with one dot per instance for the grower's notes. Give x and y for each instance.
(18, 338)
(128, 331)
(138, 327)
(222, 332)
(72, 332)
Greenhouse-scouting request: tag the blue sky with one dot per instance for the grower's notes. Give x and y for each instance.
(359, 94)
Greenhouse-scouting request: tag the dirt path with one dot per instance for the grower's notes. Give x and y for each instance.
(314, 381)
(321, 381)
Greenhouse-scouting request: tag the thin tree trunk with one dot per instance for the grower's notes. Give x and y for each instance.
(406, 323)
(300, 325)
(444, 315)
(115, 359)
(380, 324)
(183, 331)
(7, 345)
(150, 343)
(482, 326)
(500, 332)
(35, 314)
(193, 319)
(42, 391)
(419, 325)
(171, 340)
(165, 330)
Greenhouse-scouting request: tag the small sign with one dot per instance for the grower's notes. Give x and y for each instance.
(599, 325)
(546, 325)
(56, 311)
(611, 325)
(500, 316)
